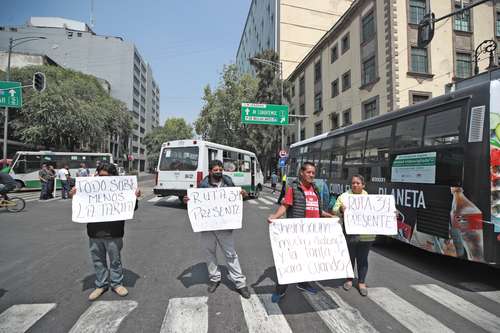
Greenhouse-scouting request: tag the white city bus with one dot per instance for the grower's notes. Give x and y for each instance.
(27, 164)
(184, 163)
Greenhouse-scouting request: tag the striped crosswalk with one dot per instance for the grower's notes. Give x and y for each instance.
(191, 314)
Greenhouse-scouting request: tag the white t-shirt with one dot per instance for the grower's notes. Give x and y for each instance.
(62, 174)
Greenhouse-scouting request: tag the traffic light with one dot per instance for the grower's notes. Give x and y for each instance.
(39, 81)
(426, 30)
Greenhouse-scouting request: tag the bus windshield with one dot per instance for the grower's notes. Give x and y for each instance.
(180, 158)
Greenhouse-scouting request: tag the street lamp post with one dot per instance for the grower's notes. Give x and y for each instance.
(279, 66)
(7, 78)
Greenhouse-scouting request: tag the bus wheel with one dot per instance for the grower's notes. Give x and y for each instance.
(19, 186)
(257, 192)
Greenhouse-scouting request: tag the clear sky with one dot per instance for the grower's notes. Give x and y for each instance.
(186, 42)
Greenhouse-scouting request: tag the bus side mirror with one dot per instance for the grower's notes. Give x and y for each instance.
(426, 30)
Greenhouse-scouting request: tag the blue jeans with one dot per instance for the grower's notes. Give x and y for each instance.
(64, 189)
(98, 249)
(43, 192)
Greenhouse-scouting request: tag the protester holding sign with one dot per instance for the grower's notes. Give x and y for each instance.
(224, 238)
(358, 245)
(106, 238)
(302, 200)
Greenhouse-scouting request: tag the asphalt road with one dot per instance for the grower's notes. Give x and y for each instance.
(46, 276)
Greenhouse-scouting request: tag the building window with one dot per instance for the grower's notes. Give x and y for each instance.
(345, 43)
(462, 20)
(79, 34)
(302, 134)
(417, 10)
(368, 27)
(334, 53)
(318, 128)
(346, 117)
(302, 109)
(334, 120)
(302, 86)
(335, 88)
(318, 103)
(317, 71)
(498, 25)
(370, 109)
(419, 63)
(464, 68)
(418, 97)
(346, 81)
(368, 71)
(70, 34)
(293, 90)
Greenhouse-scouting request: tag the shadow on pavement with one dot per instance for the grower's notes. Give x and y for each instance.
(129, 280)
(447, 269)
(171, 204)
(2, 292)
(194, 275)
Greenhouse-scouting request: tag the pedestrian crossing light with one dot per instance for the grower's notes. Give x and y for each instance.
(39, 81)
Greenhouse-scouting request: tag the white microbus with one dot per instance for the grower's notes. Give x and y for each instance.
(184, 163)
(27, 164)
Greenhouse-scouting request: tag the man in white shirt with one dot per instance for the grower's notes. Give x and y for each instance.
(63, 175)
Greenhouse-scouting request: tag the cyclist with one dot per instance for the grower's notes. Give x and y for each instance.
(7, 184)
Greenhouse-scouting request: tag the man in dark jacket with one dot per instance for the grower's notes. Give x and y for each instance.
(106, 238)
(224, 238)
(302, 200)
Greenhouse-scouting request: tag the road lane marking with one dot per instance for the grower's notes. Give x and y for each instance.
(480, 288)
(103, 317)
(185, 315)
(20, 317)
(486, 320)
(267, 202)
(262, 315)
(407, 314)
(264, 208)
(252, 202)
(337, 314)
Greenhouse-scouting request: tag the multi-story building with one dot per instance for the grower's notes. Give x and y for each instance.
(369, 62)
(74, 45)
(289, 27)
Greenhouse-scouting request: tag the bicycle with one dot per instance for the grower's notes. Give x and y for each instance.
(14, 204)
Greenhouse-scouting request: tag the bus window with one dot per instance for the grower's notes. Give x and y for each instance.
(20, 166)
(449, 167)
(293, 162)
(409, 133)
(34, 163)
(336, 158)
(442, 128)
(181, 158)
(377, 144)
(354, 148)
(230, 161)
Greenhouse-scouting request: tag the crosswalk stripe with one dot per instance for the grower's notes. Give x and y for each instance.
(252, 202)
(408, 315)
(267, 202)
(477, 287)
(20, 317)
(262, 315)
(155, 199)
(273, 199)
(469, 311)
(264, 207)
(337, 314)
(103, 316)
(185, 315)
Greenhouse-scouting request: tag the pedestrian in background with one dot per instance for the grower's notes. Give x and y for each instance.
(52, 179)
(63, 175)
(83, 171)
(302, 200)
(358, 245)
(223, 238)
(283, 187)
(44, 177)
(274, 181)
(106, 238)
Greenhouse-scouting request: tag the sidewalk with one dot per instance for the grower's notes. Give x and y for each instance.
(268, 185)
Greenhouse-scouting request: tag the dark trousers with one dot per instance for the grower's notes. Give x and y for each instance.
(50, 189)
(358, 251)
(44, 190)
(64, 189)
(283, 190)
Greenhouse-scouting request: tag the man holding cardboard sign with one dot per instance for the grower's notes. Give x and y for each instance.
(211, 210)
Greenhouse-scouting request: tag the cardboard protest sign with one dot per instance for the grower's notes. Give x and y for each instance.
(104, 199)
(309, 250)
(218, 208)
(373, 214)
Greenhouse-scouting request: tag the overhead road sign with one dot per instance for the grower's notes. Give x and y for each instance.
(264, 114)
(11, 94)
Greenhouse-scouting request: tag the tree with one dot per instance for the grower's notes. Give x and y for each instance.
(173, 129)
(73, 113)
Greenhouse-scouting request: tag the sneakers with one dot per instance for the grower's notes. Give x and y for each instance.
(305, 286)
(275, 297)
(363, 291)
(96, 293)
(347, 285)
(212, 286)
(244, 292)
(121, 291)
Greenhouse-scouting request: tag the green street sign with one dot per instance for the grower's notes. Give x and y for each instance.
(265, 114)
(11, 94)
